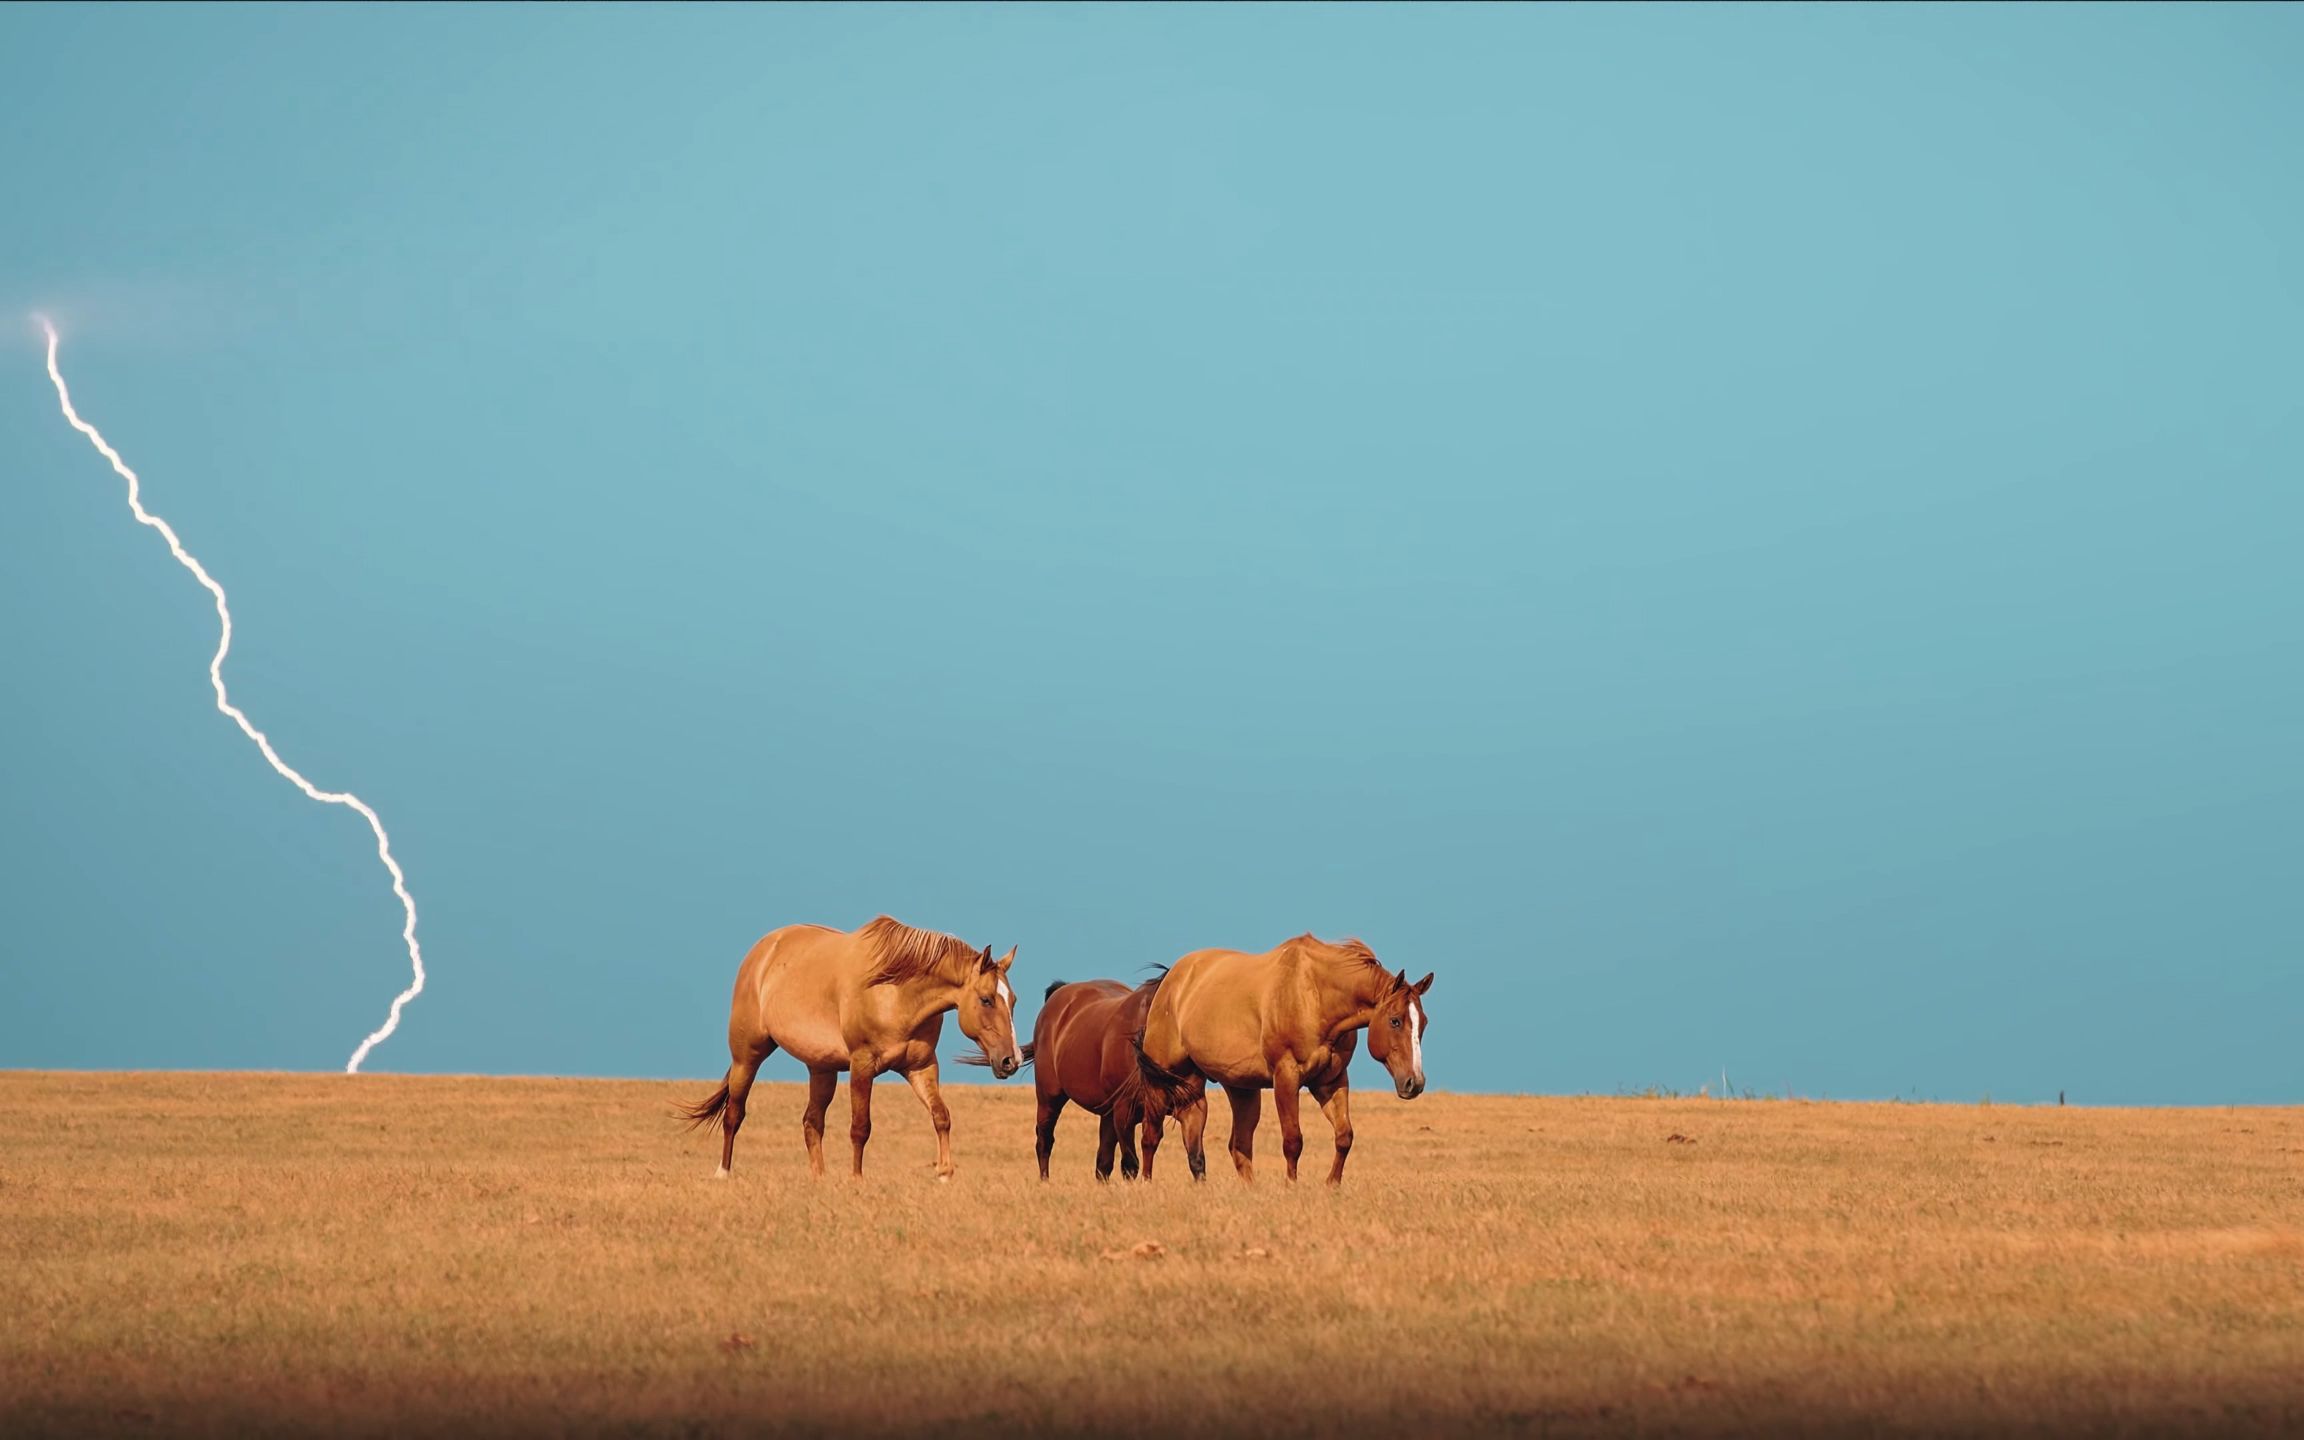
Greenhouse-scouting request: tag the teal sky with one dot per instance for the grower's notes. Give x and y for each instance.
(1760, 539)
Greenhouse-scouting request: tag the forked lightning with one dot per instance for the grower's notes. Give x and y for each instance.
(231, 711)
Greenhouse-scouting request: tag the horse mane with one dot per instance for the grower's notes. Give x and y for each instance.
(1349, 952)
(900, 952)
(1053, 987)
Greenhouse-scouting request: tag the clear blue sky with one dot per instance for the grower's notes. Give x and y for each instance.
(1760, 538)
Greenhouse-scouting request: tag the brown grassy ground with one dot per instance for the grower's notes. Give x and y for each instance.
(233, 1253)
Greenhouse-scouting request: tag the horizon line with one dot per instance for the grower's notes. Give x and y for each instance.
(1984, 1102)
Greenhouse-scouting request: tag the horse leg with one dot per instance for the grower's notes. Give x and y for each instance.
(1193, 1122)
(1336, 1103)
(1151, 1141)
(740, 1074)
(1105, 1139)
(1124, 1130)
(1247, 1109)
(821, 1084)
(1044, 1129)
(923, 1083)
(1284, 1098)
(860, 1071)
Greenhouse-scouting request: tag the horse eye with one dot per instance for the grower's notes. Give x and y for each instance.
(984, 1001)
(1395, 1022)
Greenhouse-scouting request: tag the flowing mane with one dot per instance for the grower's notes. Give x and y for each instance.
(899, 952)
(1345, 954)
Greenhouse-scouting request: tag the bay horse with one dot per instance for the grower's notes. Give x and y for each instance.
(866, 1001)
(1084, 1052)
(1286, 1020)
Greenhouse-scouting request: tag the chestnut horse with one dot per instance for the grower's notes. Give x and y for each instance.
(1084, 1052)
(1286, 1020)
(865, 1002)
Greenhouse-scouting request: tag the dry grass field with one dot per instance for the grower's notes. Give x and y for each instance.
(233, 1254)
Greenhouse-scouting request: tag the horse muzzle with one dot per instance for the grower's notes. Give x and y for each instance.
(1007, 1067)
(1408, 1089)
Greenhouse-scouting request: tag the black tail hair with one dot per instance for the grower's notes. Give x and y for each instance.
(1053, 987)
(1163, 1091)
(1163, 1087)
(704, 1111)
(978, 1057)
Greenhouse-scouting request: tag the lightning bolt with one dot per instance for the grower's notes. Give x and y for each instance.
(233, 712)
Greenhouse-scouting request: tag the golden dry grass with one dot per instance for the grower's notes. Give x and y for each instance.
(238, 1253)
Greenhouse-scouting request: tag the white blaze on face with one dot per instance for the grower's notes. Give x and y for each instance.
(1416, 1037)
(1009, 996)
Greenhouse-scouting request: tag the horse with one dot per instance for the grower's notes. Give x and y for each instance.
(1083, 1052)
(866, 1001)
(1287, 1020)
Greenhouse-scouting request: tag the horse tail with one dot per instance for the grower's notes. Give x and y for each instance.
(978, 1057)
(705, 1111)
(1137, 1095)
(1053, 987)
(1159, 1089)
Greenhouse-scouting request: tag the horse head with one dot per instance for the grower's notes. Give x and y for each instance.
(987, 1012)
(1396, 1034)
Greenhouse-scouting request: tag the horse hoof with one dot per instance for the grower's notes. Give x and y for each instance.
(721, 1173)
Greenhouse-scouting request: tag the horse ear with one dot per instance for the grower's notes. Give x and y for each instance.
(1005, 960)
(984, 961)
(1423, 984)
(1402, 977)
